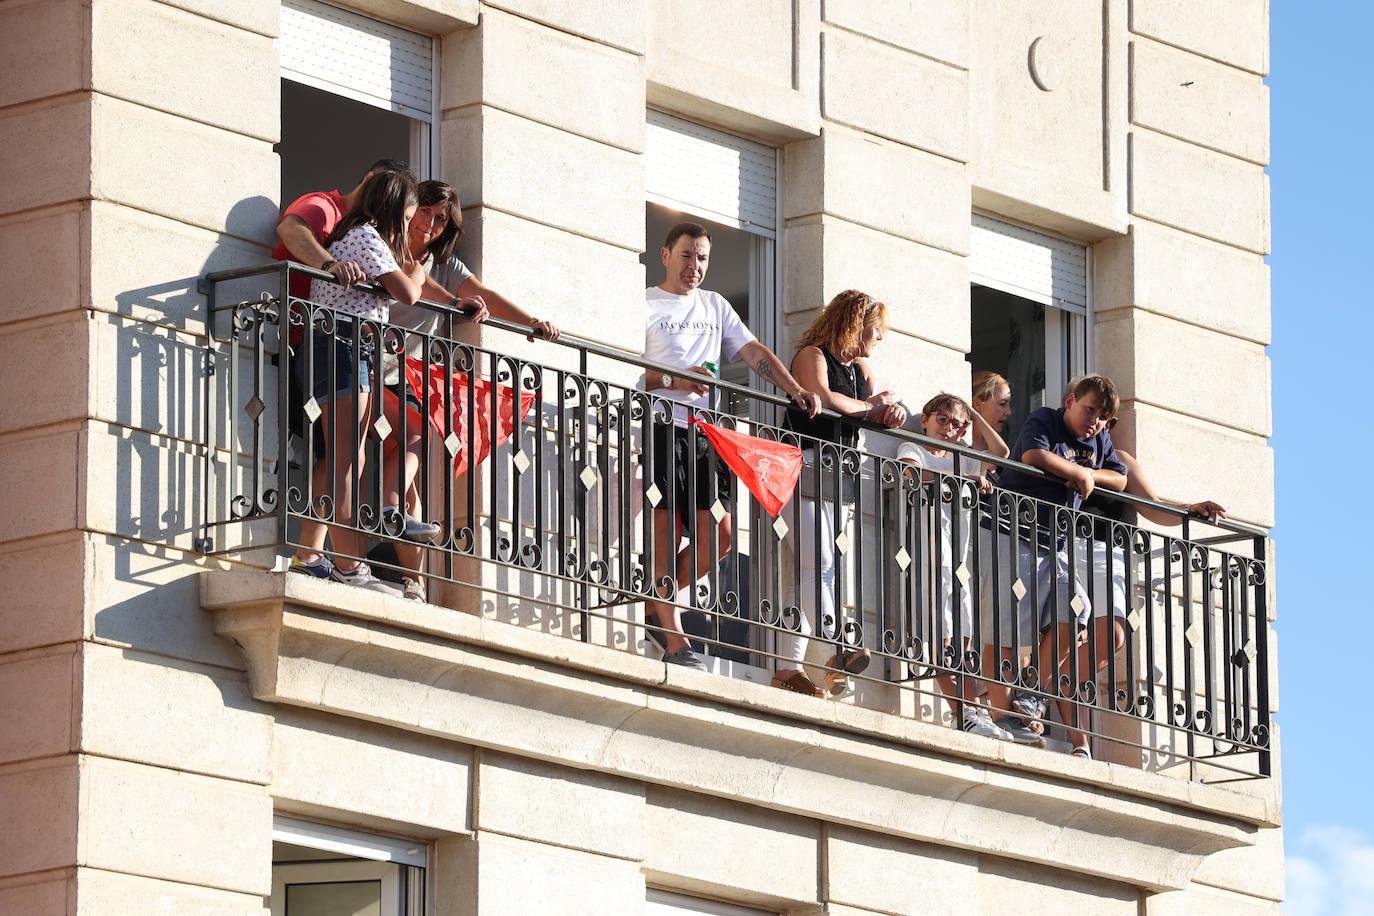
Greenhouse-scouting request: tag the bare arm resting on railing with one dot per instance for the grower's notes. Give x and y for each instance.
(1137, 484)
(473, 293)
(766, 364)
(882, 407)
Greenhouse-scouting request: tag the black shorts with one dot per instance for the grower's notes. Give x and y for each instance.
(698, 465)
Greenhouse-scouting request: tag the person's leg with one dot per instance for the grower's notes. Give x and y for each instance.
(666, 534)
(1108, 635)
(348, 415)
(995, 577)
(792, 646)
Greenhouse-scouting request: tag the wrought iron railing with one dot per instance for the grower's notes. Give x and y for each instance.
(553, 523)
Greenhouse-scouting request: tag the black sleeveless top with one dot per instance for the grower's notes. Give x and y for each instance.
(846, 380)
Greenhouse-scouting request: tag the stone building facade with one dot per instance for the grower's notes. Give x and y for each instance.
(184, 735)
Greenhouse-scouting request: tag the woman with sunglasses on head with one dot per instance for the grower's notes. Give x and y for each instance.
(434, 235)
(832, 360)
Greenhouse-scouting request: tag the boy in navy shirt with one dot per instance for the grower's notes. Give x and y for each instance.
(1072, 444)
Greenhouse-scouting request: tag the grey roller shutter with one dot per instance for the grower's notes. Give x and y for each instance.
(360, 58)
(710, 173)
(1029, 264)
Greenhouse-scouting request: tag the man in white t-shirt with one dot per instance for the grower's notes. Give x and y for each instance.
(692, 328)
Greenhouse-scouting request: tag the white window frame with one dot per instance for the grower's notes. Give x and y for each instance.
(373, 858)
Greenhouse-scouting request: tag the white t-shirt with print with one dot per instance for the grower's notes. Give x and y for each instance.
(364, 245)
(690, 330)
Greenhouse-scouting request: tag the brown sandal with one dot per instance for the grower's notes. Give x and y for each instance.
(851, 661)
(797, 682)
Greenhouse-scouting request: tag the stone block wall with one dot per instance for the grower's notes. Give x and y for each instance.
(132, 729)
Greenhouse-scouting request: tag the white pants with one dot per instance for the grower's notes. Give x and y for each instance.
(816, 560)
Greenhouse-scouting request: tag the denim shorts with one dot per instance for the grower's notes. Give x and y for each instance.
(347, 368)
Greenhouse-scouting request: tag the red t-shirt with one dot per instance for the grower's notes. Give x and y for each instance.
(321, 211)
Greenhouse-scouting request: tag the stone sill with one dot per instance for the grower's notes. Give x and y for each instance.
(432, 670)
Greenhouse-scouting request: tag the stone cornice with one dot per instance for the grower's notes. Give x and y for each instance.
(432, 670)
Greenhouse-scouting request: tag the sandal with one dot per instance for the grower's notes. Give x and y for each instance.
(849, 661)
(797, 682)
(1081, 752)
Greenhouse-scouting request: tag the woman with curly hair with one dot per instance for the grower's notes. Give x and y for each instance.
(832, 360)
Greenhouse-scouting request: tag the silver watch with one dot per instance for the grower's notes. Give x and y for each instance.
(667, 381)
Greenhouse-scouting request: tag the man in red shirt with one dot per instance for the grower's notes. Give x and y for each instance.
(301, 232)
(305, 225)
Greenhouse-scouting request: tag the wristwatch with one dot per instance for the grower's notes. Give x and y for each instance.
(667, 381)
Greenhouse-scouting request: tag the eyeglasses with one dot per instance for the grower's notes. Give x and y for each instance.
(956, 425)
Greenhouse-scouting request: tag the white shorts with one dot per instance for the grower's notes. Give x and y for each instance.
(1101, 594)
(1046, 593)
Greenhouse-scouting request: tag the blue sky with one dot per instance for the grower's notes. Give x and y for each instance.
(1323, 272)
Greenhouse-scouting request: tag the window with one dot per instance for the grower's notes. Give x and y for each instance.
(354, 90)
(730, 184)
(329, 871)
(1030, 308)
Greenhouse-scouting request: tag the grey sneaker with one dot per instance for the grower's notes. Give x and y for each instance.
(415, 530)
(1028, 705)
(361, 577)
(686, 658)
(979, 722)
(1018, 731)
(414, 589)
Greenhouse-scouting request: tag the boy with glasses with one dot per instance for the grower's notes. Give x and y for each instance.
(948, 417)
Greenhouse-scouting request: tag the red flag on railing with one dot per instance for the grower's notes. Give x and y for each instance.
(768, 468)
(451, 396)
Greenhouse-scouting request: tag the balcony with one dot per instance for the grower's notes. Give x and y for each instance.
(537, 584)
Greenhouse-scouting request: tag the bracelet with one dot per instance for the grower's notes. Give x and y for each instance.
(328, 264)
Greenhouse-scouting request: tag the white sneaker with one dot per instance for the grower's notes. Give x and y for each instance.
(414, 589)
(361, 576)
(978, 721)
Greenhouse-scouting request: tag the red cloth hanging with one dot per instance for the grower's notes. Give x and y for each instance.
(768, 468)
(450, 397)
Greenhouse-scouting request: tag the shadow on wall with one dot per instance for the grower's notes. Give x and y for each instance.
(148, 475)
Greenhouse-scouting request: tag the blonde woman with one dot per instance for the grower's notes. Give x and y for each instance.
(832, 361)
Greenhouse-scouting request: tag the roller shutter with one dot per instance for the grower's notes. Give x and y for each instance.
(710, 173)
(360, 58)
(1029, 264)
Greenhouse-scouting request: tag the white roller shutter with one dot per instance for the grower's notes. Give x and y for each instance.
(360, 58)
(710, 173)
(1029, 264)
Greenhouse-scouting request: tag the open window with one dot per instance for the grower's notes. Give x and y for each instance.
(318, 870)
(354, 90)
(729, 184)
(1030, 307)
